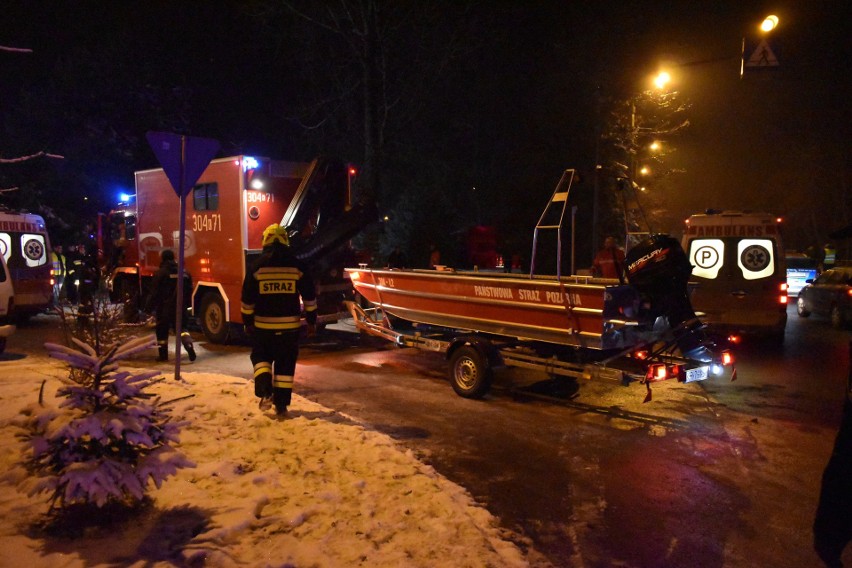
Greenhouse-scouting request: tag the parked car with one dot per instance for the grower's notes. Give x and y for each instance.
(7, 302)
(800, 269)
(829, 295)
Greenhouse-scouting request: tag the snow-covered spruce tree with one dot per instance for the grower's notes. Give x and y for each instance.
(107, 440)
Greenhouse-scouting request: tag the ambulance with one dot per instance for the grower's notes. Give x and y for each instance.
(739, 272)
(25, 247)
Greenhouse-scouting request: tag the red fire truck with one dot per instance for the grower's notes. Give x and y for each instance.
(234, 200)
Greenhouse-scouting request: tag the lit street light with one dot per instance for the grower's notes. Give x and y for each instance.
(769, 23)
(662, 79)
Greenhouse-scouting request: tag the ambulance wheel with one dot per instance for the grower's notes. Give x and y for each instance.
(470, 373)
(214, 321)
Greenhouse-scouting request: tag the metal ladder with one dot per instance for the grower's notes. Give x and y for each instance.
(555, 208)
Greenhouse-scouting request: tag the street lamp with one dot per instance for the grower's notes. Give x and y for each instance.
(662, 79)
(769, 23)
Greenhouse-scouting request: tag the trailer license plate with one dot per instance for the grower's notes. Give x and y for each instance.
(697, 374)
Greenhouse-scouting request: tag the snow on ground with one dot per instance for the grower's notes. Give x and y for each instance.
(314, 489)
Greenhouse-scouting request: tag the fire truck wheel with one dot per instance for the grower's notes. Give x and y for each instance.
(214, 323)
(470, 373)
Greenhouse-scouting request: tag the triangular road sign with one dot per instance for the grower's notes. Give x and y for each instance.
(763, 56)
(184, 158)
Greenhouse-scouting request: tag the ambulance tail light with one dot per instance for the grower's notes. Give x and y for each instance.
(782, 298)
(727, 358)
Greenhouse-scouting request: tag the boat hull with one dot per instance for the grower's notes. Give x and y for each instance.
(579, 311)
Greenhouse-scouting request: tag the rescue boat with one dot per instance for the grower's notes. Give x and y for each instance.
(587, 312)
(643, 328)
(578, 311)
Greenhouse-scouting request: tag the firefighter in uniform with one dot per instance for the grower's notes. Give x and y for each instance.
(271, 314)
(163, 302)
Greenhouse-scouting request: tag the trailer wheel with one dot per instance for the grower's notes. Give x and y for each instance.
(470, 373)
(214, 322)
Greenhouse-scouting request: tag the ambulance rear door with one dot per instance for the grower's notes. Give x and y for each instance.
(738, 265)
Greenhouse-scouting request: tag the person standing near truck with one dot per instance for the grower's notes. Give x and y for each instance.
(271, 313)
(163, 302)
(609, 262)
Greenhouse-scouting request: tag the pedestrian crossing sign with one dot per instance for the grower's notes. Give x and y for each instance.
(763, 56)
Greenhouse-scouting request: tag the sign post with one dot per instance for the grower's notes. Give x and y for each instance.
(184, 159)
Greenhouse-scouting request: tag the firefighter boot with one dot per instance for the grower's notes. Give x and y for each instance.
(263, 390)
(187, 344)
(164, 353)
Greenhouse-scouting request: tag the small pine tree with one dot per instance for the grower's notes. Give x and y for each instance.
(108, 439)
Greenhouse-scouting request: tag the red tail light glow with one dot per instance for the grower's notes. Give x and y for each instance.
(657, 372)
(727, 358)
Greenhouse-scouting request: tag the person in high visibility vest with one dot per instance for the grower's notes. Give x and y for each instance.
(272, 317)
(57, 259)
(830, 256)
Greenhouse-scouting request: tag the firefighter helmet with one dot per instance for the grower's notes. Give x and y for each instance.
(275, 233)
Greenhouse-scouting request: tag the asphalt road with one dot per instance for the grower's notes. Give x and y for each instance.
(707, 474)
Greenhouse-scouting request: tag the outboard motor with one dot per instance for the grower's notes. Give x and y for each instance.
(659, 269)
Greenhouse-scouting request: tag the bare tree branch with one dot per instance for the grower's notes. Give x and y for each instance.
(15, 49)
(30, 157)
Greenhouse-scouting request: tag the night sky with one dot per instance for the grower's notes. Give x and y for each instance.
(506, 114)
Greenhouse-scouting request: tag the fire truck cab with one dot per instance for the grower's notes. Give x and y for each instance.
(738, 264)
(234, 200)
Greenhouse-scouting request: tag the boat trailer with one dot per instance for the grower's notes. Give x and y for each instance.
(472, 356)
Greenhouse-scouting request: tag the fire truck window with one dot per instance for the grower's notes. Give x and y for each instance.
(707, 257)
(205, 196)
(115, 227)
(755, 258)
(130, 228)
